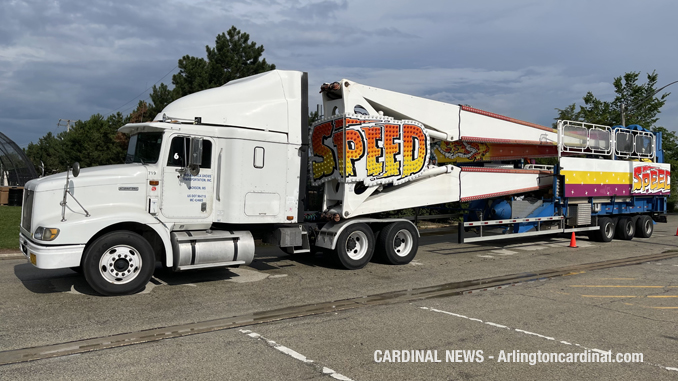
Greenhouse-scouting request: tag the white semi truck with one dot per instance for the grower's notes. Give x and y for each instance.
(217, 169)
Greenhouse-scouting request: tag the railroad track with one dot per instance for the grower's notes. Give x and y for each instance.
(402, 296)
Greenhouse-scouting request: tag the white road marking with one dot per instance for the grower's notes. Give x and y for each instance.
(535, 334)
(485, 256)
(277, 276)
(296, 355)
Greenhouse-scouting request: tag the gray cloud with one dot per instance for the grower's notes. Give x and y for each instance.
(70, 59)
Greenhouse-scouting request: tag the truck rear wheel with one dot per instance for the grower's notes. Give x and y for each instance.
(398, 243)
(119, 263)
(626, 228)
(644, 227)
(355, 246)
(606, 232)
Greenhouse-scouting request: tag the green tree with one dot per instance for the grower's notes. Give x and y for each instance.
(641, 104)
(233, 56)
(49, 150)
(95, 141)
(160, 98)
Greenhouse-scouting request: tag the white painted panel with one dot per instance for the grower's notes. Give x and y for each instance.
(262, 204)
(439, 189)
(439, 116)
(477, 125)
(268, 101)
(592, 165)
(487, 184)
(239, 177)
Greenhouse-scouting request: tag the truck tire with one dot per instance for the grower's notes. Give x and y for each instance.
(626, 228)
(355, 246)
(644, 227)
(606, 232)
(398, 243)
(119, 263)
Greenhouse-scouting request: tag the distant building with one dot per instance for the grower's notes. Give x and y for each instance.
(15, 168)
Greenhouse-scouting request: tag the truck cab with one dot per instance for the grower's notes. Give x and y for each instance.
(209, 165)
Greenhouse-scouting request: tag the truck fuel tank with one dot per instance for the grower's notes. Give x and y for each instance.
(211, 248)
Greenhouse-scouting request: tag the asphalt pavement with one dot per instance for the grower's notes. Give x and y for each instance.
(630, 309)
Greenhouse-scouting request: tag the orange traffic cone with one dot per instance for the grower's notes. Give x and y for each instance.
(573, 240)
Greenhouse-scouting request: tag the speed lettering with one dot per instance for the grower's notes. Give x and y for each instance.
(375, 150)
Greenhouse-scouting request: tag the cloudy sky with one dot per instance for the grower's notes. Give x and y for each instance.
(71, 59)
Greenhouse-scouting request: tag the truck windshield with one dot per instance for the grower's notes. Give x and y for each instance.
(144, 148)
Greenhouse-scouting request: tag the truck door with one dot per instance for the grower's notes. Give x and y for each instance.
(185, 195)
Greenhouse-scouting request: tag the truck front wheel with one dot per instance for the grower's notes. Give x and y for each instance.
(119, 263)
(355, 246)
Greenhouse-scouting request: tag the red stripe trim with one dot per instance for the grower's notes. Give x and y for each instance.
(475, 139)
(505, 170)
(514, 157)
(505, 193)
(506, 118)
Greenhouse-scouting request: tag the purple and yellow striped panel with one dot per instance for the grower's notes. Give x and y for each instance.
(588, 177)
(597, 183)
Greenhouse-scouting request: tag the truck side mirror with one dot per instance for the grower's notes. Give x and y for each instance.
(195, 156)
(76, 169)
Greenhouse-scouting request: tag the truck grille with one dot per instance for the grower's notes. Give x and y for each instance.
(27, 209)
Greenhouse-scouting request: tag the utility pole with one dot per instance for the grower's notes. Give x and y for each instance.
(65, 123)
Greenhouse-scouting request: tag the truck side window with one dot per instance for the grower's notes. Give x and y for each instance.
(180, 147)
(259, 157)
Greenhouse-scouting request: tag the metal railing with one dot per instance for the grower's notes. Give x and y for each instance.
(587, 138)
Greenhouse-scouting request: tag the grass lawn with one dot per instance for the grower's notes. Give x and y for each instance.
(10, 218)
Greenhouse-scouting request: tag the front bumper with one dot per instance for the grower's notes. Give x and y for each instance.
(51, 257)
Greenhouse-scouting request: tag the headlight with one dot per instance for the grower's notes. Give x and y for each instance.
(46, 234)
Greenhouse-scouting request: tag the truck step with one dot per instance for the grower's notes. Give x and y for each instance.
(208, 265)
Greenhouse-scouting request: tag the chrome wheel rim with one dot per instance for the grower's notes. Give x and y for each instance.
(356, 245)
(609, 229)
(402, 243)
(120, 264)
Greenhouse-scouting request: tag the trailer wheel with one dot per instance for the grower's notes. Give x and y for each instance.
(606, 232)
(398, 243)
(644, 227)
(355, 246)
(119, 263)
(626, 229)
